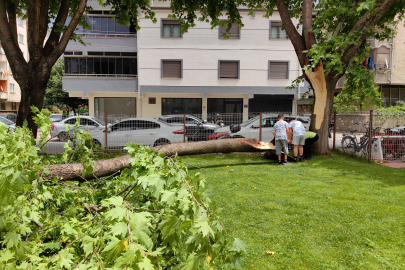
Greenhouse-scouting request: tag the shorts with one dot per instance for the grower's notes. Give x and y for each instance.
(279, 146)
(299, 140)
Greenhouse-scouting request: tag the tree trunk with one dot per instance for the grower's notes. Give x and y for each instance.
(108, 167)
(324, 88)
(32, 94)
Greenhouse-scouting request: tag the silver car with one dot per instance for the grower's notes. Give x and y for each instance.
(87, 123)
(8, 123)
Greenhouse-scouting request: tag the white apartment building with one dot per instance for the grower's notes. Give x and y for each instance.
(159, 71)
(10, 93)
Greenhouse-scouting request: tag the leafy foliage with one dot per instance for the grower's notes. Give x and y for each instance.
(359, 91)
(54, 94)
(396, 112)
(154, 215)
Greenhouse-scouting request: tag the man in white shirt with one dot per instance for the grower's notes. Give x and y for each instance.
(282, 134)
(298, 139)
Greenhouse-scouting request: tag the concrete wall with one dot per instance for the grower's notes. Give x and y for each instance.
(200, 49)
(103, 44)
(72, 84)
(398, 69)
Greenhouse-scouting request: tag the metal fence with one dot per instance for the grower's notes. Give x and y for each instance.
(376, 136)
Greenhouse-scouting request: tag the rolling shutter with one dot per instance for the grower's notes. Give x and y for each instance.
(171, 69)
(233, 32)
(228, 70)
(278, 70)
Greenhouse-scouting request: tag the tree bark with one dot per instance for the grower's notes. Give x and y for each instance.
(110, 166)
(33, 87)
(324, 87)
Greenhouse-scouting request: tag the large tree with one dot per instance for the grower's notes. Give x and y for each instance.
(33, 75)
(328, 40)
(54, 94)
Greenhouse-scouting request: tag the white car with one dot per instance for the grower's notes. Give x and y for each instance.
(139, 131)
(87, 123)
(8, 123)
(251, 128)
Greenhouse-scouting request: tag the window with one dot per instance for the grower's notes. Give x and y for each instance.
(124, 126)
(228, 69)
(172, 69)
(278, 70)
(171, 28)
(140, 124)
(13, 106)
(104, 25)
(3, 106)
(391, 94)
(20, 21)
(225, 105)
(20, 38)
(276, 31)
(71, 121)
(73, 53)
(116, 108)
(234, 32)
(87, 122)
(11, 87)
(101, 66)
(181, 106)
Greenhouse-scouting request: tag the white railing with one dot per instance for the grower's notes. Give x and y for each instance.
(121, 76)
(157, 3)
(104, 35)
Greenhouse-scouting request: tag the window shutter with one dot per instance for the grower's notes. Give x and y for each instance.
(171, 69)
(278, 70)
(233, 32)
(228, 70)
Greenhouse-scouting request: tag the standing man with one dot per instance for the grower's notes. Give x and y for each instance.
(282, 133)
(310, 139)
(298, 139)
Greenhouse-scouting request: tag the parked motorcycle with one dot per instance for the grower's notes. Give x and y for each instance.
(216, 120)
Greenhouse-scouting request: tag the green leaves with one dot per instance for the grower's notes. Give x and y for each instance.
(164, 223)
(238, 245)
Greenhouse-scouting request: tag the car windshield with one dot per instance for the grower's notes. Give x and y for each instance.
(6, 121)
(250, 121)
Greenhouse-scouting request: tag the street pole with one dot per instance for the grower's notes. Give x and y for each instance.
(260, 133)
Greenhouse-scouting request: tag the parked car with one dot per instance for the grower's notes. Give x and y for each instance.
(10, 116)
(56, 117)
(140, 131)
(87, 123)
(8, 123)
(251, 128)
(196, 129)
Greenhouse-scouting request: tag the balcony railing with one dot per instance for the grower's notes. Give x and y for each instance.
(374, 43)
(105, 35)
(120, 76)
(157, 3)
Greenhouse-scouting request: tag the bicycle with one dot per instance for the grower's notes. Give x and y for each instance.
(350, 144)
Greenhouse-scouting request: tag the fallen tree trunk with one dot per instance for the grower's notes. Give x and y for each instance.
(110, 166)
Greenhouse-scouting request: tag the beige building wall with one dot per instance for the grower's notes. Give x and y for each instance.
(6, 95)
(398, 55)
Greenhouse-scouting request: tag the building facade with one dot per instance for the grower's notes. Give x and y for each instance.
(10, 93)
(159, 70)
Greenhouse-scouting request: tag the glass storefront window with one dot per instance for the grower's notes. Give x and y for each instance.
(225, 105)
(117, 108)
(181, 106)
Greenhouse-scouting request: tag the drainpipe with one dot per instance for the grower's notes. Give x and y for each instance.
(392, 59)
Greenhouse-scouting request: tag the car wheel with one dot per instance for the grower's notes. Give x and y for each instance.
(96, 142)
(63, 136)
(161, 142)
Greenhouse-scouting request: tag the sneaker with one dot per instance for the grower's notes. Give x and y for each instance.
(301, 159)
(295, 159)
(286, 162)
(280, 163)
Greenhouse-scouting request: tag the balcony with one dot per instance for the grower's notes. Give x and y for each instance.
(374, 43)
(100, 83)
(157, 3)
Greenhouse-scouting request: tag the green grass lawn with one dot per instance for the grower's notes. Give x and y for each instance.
(328, 213)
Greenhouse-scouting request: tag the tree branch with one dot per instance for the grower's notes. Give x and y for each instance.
(43, 21)
(33, 33)
(61, 46)
(296, 39)
(12, 18)
(60, 20)
(307, 24)
(365, 24)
